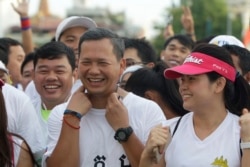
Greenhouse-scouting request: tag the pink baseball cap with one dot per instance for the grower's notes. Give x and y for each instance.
(198, 63)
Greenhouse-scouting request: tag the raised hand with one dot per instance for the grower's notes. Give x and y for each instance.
(187, 20)
(22, 7)
(168, 31)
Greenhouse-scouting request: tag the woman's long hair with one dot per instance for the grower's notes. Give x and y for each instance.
(5, 142)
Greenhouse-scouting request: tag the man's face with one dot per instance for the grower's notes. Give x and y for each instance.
(16, 57)
(53, 79)
(175, 53)
(131, 57)
(99, 69)
(71, 37)
(27, 74)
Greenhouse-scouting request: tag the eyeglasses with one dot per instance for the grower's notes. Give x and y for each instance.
(122, 84)
(130, 62)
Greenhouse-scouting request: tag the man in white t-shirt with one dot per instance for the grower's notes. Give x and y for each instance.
(54, 72)
(103, 125)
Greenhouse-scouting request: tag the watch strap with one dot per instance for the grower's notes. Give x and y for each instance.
(127, 131)
(245, 145)
(74, 113)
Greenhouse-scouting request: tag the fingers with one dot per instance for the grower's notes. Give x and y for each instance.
(159, 137)
(13, 6)
(115, 97)
(186, 10)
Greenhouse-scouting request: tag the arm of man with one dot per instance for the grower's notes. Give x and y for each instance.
(68, 142)
(117, 116)
(22, 9)
(187, 22)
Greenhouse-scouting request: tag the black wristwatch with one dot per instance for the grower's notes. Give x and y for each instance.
(122, 134)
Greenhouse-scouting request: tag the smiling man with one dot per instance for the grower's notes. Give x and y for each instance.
(96, 112)
(176, 49)
(54, 70)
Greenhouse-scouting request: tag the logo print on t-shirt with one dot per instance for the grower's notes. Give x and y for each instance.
(99, 161)
(122, 158)
(220, 162)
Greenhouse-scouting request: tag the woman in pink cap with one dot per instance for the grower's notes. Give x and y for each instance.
(216, 131)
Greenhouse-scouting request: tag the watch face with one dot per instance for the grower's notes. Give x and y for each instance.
(122, 135)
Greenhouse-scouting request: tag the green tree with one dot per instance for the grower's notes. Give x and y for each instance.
(210, 18)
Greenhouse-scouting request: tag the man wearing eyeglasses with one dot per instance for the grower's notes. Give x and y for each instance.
(139, 52)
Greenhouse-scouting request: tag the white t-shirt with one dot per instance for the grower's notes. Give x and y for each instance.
(22, 118)
(97, 144)
(31, 91)
(221, 148)
(37, 102)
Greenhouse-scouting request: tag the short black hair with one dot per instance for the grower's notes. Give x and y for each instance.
(28, 58)
(144, 49)
(243, 54)
(54, 50)
(5, 44)
(183, 39)
(102, 33)
(4, 55)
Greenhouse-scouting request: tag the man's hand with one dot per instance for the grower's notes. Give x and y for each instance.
(80, 102)
(168, 31)
(22, 7)
(187, 20)
(116, 112)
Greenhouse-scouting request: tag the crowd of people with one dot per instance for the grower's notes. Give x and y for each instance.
(90, 97)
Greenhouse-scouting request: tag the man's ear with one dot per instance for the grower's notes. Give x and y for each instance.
(122, 65)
